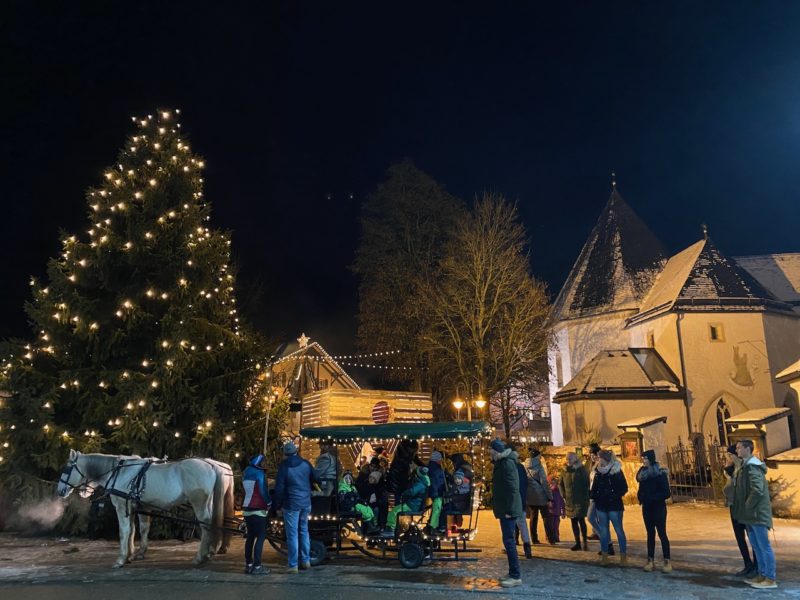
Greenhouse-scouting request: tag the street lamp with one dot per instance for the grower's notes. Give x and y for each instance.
(458, 404)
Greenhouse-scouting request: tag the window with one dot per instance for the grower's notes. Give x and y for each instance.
(559, 371)
(715, 332)
(651, 339)
(723, 413)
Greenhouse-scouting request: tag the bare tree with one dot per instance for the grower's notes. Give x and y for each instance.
(488, 314)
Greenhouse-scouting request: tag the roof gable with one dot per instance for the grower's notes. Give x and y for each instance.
(616, 266)
(779, 273)
(701, 277)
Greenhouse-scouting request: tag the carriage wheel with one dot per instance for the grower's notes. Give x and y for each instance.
(280, 546)
(410, 555)
(318, 552)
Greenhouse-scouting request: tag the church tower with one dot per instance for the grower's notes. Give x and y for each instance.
(614, 271)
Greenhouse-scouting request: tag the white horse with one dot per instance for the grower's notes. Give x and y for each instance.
(166, 485)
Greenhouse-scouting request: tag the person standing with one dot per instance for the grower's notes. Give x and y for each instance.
(538, 496)
(506, 505)
(574, 486)
(732, 466)
(255, 506)
(556, 512)
(327, 469)
(751, 506)
(522, 526)
(652, 495)
(591, 515)
(608, 488)
(293, 494)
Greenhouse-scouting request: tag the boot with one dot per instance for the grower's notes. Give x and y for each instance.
(623, 559)
(576, 547)
(610, 549)
(667, 568)
(528, 553)
(648, 568)
(585, 545)
(604, 559)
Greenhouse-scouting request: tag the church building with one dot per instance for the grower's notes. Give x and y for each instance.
(697, 338)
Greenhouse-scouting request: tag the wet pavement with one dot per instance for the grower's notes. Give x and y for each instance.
(704, 550)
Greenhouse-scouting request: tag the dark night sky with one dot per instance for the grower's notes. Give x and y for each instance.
(296, 106)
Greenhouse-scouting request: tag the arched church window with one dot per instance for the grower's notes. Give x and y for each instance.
(723, 414)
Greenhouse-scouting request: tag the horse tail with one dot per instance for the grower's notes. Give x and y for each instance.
(230, 511)
(223, 507)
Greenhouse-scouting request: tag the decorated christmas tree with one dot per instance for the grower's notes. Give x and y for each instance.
(138, 344)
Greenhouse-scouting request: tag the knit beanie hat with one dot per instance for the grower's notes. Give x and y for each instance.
(497, 445)
(289, 448)
(650, 455)
(606, 455)
(436, 456)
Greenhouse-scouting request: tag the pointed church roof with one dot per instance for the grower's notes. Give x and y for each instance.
(616, 267)
(701, 277)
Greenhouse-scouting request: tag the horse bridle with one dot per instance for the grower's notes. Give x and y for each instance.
(66, 473)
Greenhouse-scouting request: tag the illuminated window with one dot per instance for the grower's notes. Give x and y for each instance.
(715, 332)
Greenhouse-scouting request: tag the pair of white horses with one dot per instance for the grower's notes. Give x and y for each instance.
(207, 485)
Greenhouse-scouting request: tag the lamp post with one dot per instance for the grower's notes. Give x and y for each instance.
(458, 404)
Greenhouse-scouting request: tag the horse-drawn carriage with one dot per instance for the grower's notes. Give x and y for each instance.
(333, 529)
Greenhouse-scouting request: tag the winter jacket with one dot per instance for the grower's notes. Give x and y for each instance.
(730, 473)
(522, 473)
(326, 472)
(609, 488)
(348, 496)
(574, 487)
(256, 495)
(438, 481)
(653, 486)
(751, 504)
(371, 482)
(538, 488)
(414, 497)
(557, 508)
(505, 487)
(399, 475)
(460, 463)
(293, 484)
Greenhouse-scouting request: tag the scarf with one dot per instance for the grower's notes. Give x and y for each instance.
(604, 470)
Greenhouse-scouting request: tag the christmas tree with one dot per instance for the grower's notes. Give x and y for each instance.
(138, 344)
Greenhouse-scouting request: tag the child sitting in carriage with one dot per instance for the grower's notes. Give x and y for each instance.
(351, 501)
(411, 500)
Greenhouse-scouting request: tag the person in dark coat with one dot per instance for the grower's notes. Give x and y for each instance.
(574, 487)
(255, 506)
(506, 505)
(438, 490)
(522, 526)
(652, 495)
(731, 469)
(538, 496)
(371, 486)
(293, 494)
(399, 476)
(608, 488)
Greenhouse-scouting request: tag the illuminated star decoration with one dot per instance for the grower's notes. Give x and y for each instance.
(303, 340)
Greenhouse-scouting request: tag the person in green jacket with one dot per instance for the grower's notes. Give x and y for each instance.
(574, 487)
(411, 500)
(751, 507)
(506, 505)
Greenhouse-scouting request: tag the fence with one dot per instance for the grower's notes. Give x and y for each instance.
(695, 472)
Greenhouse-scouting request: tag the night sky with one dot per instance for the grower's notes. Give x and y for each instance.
(299, 108)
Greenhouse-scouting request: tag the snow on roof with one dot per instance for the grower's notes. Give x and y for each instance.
(641, 422)
(630, 371)
(789, 373)
(616, 266)
(759, 415)
(702, 277)
(779, 273)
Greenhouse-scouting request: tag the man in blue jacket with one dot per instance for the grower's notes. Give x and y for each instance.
(293, 495)
(254, 508)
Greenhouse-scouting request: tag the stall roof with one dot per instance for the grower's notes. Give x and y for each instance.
(388, 431)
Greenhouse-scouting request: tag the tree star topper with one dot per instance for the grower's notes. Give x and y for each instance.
(303, 340)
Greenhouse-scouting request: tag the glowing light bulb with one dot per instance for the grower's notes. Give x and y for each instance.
(145, 363)
(153, 182)
(94, 325)
(127, 304)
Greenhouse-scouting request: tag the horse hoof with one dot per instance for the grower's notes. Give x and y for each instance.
(222, 551)
(117, 565)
